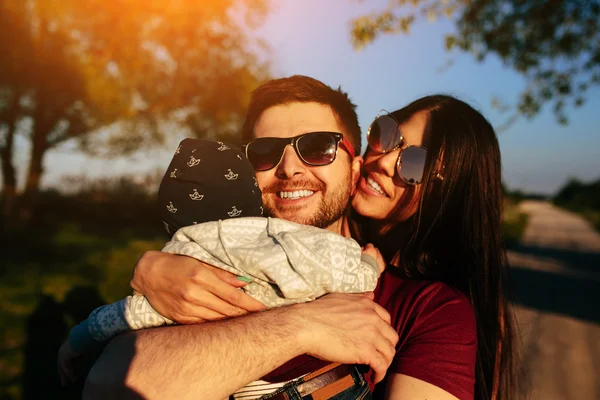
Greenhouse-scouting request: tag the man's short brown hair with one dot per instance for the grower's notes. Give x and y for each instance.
(303, 89)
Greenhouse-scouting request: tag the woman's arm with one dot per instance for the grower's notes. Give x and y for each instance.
(213, 360)
(406, 387)
(188, 291)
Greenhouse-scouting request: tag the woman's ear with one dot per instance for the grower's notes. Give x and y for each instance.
(357, 163)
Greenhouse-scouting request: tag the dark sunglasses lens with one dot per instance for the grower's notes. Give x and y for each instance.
(412, 164)
(265, 154)
(317, 148)
(384, 134)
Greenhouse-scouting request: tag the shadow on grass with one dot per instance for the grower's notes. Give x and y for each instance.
(46, 330)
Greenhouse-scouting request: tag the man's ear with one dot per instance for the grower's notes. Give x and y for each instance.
(357, 163)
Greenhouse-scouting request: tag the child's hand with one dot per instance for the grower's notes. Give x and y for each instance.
(371, 250)
(67, 359)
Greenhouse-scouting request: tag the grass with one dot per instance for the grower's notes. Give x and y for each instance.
(514, 222)
(49, 281)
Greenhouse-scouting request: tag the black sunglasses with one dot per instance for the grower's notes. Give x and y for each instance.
(313, 148)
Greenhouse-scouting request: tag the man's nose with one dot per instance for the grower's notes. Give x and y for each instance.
(290, 164)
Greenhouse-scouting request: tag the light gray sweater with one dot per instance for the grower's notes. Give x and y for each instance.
(286, 263)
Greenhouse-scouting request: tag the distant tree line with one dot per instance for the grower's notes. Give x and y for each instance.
(574, 195)
(113, 206)
(579, 196)
(518, 195)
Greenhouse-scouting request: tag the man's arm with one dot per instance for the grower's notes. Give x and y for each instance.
(213, 360)
(210, 360)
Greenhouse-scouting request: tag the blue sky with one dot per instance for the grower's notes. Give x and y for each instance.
(311, 37)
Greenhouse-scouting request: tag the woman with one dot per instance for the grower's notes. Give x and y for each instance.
(430, 199)
(444, 224)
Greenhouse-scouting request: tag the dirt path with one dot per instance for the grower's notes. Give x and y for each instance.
(557, 282)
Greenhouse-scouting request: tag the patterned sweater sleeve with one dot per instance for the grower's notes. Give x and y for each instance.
(287, 262)
(108, 321)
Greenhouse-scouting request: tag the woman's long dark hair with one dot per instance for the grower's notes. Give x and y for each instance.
(456, 234)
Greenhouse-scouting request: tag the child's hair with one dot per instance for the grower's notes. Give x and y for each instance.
(207, 181)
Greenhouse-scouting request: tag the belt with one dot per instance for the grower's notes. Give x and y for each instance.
(323, 383)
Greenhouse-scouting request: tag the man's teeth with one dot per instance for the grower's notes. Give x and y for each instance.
(295, 195)
(375, 186)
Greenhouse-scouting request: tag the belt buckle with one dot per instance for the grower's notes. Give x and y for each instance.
(327, 381)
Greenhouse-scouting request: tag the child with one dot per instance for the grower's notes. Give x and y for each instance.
(210, 202)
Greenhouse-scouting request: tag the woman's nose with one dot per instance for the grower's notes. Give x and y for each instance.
(387, 163)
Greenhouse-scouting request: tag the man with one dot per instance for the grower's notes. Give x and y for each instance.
(213, 360)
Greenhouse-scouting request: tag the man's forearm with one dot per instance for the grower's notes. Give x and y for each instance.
(207, 361)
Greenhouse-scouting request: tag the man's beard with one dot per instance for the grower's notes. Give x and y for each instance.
(333, 207)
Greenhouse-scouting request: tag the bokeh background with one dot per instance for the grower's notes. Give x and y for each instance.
(96, 95)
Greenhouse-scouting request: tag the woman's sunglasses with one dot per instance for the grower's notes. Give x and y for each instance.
(313, 148)
(384, 135)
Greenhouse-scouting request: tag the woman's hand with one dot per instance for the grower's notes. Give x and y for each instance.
(189, 291)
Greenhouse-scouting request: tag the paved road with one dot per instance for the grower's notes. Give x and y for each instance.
(557, 281)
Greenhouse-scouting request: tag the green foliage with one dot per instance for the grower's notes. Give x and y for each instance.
(86, 64)
(582, 198)
(518, 195)
(121, 76)
(79, 254)
(555, 45)
(578, 195)
(514, 222)
(38, 270)
(593, 217)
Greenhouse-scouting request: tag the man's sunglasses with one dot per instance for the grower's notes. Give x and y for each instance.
(313, 148)
(384, 135)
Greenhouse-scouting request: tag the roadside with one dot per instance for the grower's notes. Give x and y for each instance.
(556, 274)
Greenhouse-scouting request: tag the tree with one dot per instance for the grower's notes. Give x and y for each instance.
(554, 44)
(123, 70)
(579, 196)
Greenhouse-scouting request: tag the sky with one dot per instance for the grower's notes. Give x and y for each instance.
(312, 37)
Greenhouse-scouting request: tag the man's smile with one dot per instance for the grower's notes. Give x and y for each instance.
(294, 195)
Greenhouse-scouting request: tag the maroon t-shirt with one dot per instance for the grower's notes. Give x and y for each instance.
(438, 336)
